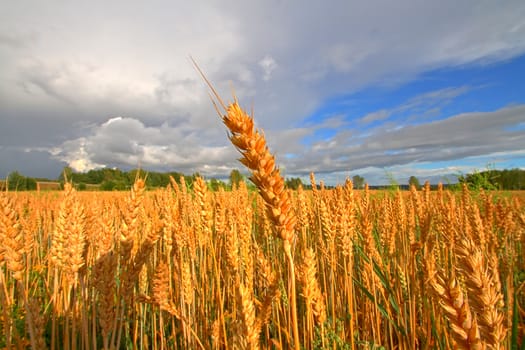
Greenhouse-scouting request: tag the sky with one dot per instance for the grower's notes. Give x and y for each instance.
(381, 89)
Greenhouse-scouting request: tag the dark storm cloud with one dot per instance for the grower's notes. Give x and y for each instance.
(35, 163)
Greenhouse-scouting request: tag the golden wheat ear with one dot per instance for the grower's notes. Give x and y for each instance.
(256, 156)
(266, 176)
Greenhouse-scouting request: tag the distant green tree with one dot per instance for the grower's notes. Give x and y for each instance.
(235, 178)
(414, 181)
(358, 182)
(94, 177)
(484, 180)
(121, 185)
(116, 175)
(108, 185)
(293, 183)
(17, 182)
(511, 179)
(30, 184)
(155, 179)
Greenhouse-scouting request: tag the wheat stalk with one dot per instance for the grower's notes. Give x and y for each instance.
(454, 304)
(11, 238)
(256, 156)
(484, 291)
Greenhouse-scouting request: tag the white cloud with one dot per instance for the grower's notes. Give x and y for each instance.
(128, 143)
(268, 65)
(80, 161)
(375, 116)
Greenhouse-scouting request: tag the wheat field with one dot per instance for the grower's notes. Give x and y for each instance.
(187, 268)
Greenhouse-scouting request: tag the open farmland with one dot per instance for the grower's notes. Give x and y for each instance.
(190, 268)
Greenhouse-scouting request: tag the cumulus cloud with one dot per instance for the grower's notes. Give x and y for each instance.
(74, 153)
(268, 65)
(127, 142)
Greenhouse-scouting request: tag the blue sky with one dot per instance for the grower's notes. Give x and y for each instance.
(381, 89)
(472, 88)
(432, 96)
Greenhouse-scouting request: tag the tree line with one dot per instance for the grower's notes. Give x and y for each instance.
(108, 179)
(507, 179)
(105, 179)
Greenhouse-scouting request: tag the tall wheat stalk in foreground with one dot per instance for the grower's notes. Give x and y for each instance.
(256, 156)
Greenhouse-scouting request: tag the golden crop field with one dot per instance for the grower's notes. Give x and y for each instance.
(187, 268)
(173, 268)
